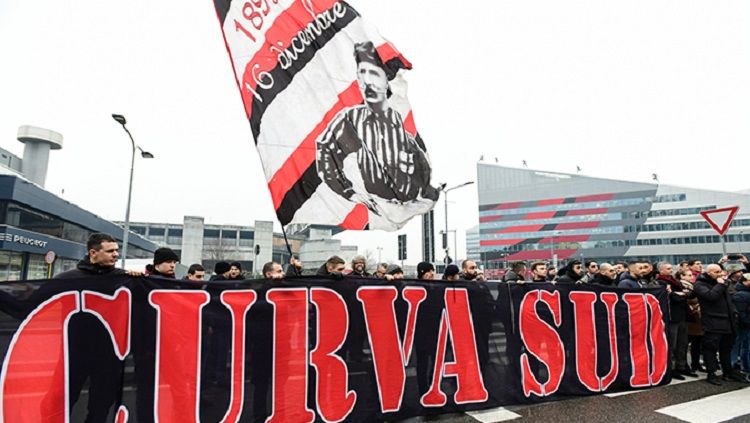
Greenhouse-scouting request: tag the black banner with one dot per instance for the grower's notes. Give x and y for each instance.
(312, 349)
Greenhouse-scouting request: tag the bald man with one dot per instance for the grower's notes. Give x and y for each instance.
(717, 311)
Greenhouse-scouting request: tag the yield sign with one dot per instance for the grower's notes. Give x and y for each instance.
(720, 219)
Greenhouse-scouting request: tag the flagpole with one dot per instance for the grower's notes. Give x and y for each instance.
(286, 241)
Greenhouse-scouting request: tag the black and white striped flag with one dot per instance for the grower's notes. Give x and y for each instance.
(326, 100)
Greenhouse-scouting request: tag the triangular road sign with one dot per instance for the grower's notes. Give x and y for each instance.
(720, 219)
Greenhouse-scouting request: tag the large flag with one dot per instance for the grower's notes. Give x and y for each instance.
(326, 100)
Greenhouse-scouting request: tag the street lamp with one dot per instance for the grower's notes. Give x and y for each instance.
(144, 154)
(446, 191)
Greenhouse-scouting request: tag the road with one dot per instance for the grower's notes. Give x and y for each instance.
(690, 400)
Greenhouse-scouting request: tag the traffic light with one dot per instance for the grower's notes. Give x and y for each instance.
(257, 250)
(402, 247)
(445, 239)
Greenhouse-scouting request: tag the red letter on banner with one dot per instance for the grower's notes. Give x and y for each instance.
(34, 383)
(466, 367)
(178, 346)
(290, 356)
(542, 341)
(639, 356)
(659, 346)
(388, 353)
(114, 313)
(334, 399)
(238, 303)
(586, 345)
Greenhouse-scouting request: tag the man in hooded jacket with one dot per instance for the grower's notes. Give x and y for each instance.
(571, 273)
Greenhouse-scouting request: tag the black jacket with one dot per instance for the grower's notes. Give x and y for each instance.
(627, 280)
(600, 279)
(741, 300)
(717, 308)
(678, 304)
(86, 269)
(567, 276)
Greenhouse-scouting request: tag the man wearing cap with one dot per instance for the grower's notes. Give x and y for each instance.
(425, 271)
(359, 267)
(366, 155)
(235, 271)
(221, 271)
(394, 272)
(165, 261)
(451, 273)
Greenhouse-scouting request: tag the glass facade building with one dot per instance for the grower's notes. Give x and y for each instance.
(535, 215)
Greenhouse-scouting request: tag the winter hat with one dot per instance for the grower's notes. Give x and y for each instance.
(423, 268)
(450, 270)
(734, 266)
(165, 254)
(393, 269)
(221, 267)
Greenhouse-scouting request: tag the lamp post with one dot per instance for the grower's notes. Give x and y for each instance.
(144, 154)
(446, 191)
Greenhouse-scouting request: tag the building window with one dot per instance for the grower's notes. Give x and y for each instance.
(140, 230)
(156, 232)
(246, 238)
(174, 236)
(36, 268)
(11, 265)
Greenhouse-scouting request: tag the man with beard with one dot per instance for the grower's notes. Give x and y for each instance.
(571, 273)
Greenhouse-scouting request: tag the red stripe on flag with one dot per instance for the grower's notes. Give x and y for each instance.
(285, 27)
(597, 197)
(585, 212)
(357, 219)
(304, 155)
(387, 52)
(409, 124)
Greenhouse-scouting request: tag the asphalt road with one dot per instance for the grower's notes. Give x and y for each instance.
(691, 400)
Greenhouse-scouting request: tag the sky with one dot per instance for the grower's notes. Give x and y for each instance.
(622, 89)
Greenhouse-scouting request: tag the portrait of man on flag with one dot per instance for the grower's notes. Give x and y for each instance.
(366, 155)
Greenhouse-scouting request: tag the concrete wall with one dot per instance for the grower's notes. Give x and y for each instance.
(192, 240)
(263, 238)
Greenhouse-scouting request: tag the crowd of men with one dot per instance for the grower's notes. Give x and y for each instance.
(709, 307)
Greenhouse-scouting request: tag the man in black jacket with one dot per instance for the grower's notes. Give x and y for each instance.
(717, 313)
(93, 356)
(571, 273)
(678, 310)
(741, 301)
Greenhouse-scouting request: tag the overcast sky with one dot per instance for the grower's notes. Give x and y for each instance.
(623, 89)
